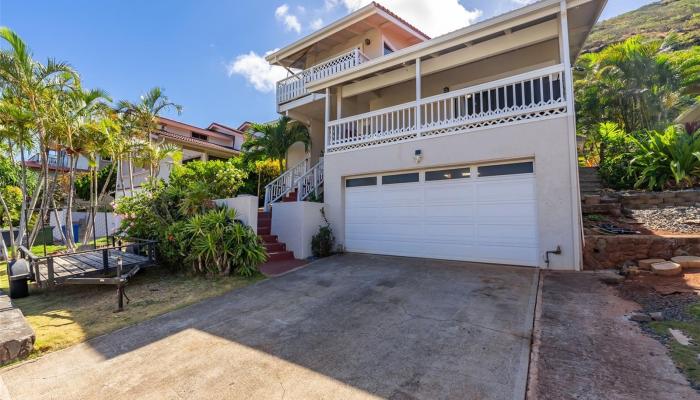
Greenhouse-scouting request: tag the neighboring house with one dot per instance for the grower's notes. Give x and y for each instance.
(60, 161)
(216, 142)
(458, 147)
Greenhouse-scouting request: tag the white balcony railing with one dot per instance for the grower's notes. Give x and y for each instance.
(294, 86)
(533, 95)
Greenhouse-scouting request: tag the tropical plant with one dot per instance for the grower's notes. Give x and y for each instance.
(215, 243)
(273, 140)
(668, 159)
(140, 120)
(322, 242)
(27, 89)
(638, 84)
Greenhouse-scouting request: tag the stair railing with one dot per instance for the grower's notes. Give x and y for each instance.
(284, 183)
(310, 182)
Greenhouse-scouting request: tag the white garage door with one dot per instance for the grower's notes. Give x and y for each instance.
(478, 213)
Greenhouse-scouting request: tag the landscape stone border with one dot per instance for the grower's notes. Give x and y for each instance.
(645, 200)
(612, 251)
(16, 336)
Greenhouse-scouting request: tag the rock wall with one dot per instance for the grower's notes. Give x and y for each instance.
(610, 251)
(643, 200)
(16, 336)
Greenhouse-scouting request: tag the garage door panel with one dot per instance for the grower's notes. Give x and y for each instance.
(473, 219)
(439, 194)
(505, 190)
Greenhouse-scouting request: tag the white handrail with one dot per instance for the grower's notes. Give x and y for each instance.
(284, 183)
(529, 95)
(294, 86)
(310, 182)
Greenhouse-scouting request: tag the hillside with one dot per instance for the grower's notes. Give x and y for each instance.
(655, 20)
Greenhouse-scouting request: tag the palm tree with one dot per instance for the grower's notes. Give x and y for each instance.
(141, 119)
(151, 154)
(30, 84)
(638, 84)
(273, 140)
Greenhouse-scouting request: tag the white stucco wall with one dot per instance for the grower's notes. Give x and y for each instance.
(295, 223)
(545, 141)
(246, 207)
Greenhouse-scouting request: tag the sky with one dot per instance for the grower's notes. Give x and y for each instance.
(208, 54)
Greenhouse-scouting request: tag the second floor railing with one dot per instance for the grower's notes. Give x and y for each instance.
(528, 96)
(294, 87)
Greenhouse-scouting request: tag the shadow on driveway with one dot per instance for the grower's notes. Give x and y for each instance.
(351, 326)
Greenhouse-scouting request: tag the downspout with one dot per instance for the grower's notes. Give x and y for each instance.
(576, 218)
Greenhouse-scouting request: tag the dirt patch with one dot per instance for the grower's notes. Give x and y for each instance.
(586, 348)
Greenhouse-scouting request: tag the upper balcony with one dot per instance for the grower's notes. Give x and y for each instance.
(531, 96)
(294, 87)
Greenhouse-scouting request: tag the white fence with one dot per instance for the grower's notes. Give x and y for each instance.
(105, 223)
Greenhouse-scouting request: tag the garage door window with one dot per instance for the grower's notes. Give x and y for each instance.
(400, 178)
(445, 174)
(506, 169)
(356, 182)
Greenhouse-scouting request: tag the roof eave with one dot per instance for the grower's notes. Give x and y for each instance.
(502, 22)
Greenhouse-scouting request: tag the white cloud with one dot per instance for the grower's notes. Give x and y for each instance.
(256, 71)
(316, 24)
(290, 21)
(435, 17)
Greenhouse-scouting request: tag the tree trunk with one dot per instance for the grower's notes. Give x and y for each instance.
(5, 254)
(131, 174)
(70, 240)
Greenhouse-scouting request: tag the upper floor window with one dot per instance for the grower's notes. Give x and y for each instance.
(387, 49)
(200, 136)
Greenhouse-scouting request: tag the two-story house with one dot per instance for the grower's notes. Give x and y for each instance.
(217, 141)
(457, 147)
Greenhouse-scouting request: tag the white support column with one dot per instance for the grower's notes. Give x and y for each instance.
(326, 119)
(339, 102)
(564, 52)
(418, 94)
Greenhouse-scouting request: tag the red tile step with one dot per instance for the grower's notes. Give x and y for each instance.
(274, 247)
(276, 251)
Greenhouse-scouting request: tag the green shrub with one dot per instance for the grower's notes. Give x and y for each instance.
(13, 200)
(322, 243)
(214, 243)
(668, 159)
(192, 232)
(82, 182)
(616, 150)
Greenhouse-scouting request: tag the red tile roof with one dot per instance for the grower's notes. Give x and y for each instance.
(199, 142)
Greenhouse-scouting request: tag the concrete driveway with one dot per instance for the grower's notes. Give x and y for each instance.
(348, 327)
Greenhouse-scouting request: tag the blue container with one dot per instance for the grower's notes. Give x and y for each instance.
(76, 232)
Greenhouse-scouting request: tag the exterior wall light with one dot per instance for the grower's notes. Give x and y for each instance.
(418, 156)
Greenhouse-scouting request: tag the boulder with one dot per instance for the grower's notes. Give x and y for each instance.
(666, 268)
(657, 316)
(645, 264)
(687, 261)
(640, 317)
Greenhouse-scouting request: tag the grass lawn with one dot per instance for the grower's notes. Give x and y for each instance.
(685, 357)
(74, 313)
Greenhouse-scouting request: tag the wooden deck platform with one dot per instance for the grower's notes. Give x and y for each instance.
(87, 264)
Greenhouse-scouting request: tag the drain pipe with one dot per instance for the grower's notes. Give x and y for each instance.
(548, 252)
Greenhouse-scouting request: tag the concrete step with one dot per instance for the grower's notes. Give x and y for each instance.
(279, 256)
(275, 247)
(610, 208)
